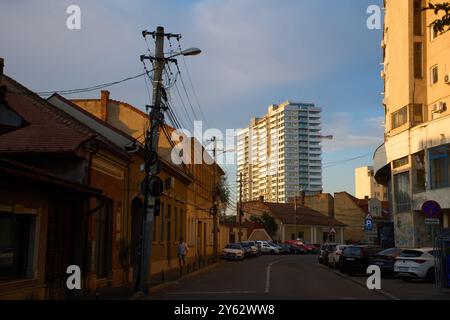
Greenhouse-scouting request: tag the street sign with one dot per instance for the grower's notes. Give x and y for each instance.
(369, 217)
(432, 221)
(368, 224)
(332, 231)
(432, 209)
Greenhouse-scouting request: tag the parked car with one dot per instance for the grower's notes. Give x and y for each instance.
(324, 251)
(415, 264)
(310, 248)
(250, 248)
(286, 249)
(233, 251)
(386, 260)
(267, 248)
(296, 246)
(333, 257)
(356, 259)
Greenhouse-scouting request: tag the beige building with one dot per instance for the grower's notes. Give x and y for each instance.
(280, 153)
(414, 159)
(366, 185)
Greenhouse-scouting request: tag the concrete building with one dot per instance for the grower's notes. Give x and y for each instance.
(413, 162)
(280, 153)
(366, 185)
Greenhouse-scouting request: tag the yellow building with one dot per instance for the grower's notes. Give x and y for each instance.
(414, 160)
(366, 186)
(192, 204)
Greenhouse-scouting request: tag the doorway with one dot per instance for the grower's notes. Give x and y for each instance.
(137, 207)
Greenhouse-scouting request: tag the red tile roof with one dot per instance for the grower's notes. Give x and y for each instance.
(305, 216)
(45, 130)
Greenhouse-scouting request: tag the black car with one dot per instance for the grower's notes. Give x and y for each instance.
(285, 248)
(356, 259)
(385, 260)
(248, 252)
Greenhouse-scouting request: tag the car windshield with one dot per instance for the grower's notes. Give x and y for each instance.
(390, 251)
(352, 251)
(411, 254)
(234, 246)
(340, 247)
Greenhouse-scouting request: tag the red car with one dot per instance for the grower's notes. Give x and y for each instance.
(307, 248)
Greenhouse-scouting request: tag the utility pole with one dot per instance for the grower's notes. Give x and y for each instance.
(240, 208)
(151, 166)
(215, 209)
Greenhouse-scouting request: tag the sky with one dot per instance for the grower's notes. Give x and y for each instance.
(254, 53)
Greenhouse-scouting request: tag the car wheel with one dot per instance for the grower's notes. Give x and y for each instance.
(431, 275)
(272, 252)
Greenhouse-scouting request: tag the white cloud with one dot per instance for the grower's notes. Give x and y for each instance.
(347, 134)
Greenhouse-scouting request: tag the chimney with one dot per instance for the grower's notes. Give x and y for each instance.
(104, 105)
(261, 199)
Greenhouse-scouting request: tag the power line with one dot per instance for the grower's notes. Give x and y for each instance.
(92, 88)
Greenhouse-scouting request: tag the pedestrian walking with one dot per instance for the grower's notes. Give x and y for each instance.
(182, 251)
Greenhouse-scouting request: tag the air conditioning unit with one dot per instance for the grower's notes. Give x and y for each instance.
(447, 78)
(439, 107)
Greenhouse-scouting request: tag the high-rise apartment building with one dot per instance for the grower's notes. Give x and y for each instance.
(367, 187)
(414, 161)
(280, 154)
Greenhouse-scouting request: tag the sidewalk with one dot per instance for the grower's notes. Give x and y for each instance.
(157, 281)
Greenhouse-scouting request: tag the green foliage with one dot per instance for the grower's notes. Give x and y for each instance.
(224, 191)
(443, 24)
(268, 222)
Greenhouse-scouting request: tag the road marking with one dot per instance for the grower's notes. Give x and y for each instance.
(269, 267)
(214, 292)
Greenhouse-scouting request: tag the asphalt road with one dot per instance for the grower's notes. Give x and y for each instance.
(268, 278)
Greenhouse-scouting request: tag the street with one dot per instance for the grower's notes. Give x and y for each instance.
(268, 278)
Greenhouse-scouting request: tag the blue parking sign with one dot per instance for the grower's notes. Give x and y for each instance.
(368, 224)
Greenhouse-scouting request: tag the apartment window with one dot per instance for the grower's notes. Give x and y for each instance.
(434, 74)
(416, 114)
(399, 118)
(439, 167)
(417, 17)
(400, 162)
(14, 245)
(418, 60)
(418, 173)
(401, 187)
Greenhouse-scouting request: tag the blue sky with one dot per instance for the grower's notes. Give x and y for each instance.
(255, 52)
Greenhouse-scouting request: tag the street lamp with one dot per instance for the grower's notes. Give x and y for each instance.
(187, 52)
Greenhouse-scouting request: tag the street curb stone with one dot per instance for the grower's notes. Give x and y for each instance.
(381, 292)
(154, 289)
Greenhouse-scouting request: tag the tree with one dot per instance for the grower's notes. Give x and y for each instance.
(224, 191)
(442, 24)
(268, 222)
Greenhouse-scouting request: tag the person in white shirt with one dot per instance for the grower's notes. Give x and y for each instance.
(182, 251)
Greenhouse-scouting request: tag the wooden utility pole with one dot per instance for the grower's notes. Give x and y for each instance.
(215, 204)
(240, 208)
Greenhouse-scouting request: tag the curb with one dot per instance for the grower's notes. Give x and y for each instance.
(381, 292)
(155, 289)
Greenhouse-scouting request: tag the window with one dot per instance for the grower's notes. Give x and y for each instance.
(416, 114)
(419, 184)
(15, 231)
(439, 167)
(401, 188)
(399, 118)
(417, 17)
(434, 74)
(400, 162)
(418, 65)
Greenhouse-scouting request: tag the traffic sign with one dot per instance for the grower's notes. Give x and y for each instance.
(368, 224)
(332, 230)
(432, 221)
(432, 209)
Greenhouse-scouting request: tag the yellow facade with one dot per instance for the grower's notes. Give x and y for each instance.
(417, 99)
